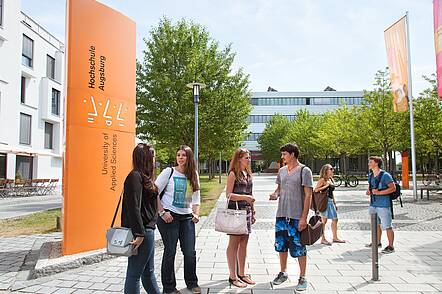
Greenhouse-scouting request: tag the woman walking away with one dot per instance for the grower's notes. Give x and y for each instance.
(139, 213)
(239, 193)
(179, 206)
(326, 182)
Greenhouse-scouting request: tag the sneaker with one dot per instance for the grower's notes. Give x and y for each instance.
(302, 284)
(281, 278)
(388, 250)
(195, 290)
(369, 245)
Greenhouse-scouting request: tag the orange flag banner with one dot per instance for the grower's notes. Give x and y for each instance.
(397, 55)
(437, 12)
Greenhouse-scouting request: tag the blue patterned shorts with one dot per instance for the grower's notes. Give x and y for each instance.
(287, 237)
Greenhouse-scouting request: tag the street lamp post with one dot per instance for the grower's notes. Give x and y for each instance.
(196, 99)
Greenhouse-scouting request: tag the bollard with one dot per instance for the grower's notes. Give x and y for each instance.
(374, 247)
(58, 223)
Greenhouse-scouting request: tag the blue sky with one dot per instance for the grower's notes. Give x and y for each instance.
(302, 45)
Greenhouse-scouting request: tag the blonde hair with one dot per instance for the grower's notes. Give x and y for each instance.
(235, 165)
(324, 170)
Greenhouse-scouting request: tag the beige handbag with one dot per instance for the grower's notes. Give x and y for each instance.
(231, 221)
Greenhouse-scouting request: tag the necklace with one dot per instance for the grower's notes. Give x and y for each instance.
(291, 169)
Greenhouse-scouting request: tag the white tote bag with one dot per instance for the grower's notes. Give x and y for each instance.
(231, 221)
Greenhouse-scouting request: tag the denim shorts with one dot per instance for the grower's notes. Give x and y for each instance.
(384, 216)
(330, 212)
(288, 238)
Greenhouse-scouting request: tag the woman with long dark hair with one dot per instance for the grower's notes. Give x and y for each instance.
(179, 207)
(139, 213)
(239, 193)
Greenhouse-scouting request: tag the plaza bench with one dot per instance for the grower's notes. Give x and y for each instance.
(428, 189)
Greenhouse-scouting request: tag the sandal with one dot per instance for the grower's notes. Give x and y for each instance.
(326, 243)
(247, 279)
(237, 283)
(339, 241)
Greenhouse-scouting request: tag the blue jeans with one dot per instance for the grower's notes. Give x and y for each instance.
(181, 228)
(142, 266)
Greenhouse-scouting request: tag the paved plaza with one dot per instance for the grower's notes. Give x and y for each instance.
(415, 267)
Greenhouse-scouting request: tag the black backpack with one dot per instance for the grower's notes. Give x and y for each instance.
(396, 194)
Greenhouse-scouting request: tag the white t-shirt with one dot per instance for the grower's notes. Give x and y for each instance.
(179, 196)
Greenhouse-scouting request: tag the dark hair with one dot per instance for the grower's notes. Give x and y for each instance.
(190, 170)
(291, 148)
(234, 163)
(143, 162)
(377, 159)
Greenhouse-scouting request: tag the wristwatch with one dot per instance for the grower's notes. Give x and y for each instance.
(161, 213)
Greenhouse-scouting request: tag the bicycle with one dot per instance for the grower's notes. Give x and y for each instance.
(430, 178)
(348, 180)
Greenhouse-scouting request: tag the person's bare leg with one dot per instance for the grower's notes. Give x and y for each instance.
(242, 254)
(390, 236)
(231, 252)
(283, 261)
(379, 234)
(323, 239)
(302, 260)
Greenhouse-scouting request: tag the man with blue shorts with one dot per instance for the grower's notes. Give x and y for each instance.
(294, 192)
(380, 186)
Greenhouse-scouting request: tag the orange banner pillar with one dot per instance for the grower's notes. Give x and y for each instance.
(100, 120)
(405, 170)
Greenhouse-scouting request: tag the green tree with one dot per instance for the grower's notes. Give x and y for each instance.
(428, 121)
(387, 130)
(175, 55)
(273, 136)
(304, 132)
(339, 134)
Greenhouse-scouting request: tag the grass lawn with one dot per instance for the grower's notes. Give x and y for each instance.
(210, 191)
(45, 222)
(36, 223)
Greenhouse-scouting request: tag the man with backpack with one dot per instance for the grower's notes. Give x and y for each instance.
(294, 192)
(380, 186)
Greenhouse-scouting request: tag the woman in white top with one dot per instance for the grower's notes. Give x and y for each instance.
(178, 207)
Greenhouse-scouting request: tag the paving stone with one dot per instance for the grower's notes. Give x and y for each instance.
(414, 287)
(83, 285)
(98, 286)
(115, 288)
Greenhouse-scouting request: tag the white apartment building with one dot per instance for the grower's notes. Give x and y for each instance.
(267, 104)
(31, 97)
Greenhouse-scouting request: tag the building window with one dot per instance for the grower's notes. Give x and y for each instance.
(27, 51)
(25, 129)
(253, 136)
(23, 90)
(2, 165)
(55, 102)
(1, 17)
(49, 133)
(50, 67)
(23, 167)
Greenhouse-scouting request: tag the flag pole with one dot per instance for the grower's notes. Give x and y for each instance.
(410, 103)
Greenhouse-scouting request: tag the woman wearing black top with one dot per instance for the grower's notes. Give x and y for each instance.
(326, 182)
(139, 212)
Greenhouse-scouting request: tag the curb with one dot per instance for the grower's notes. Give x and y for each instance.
(46, 266)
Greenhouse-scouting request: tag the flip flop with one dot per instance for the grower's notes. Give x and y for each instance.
(339, 241)
(326, 243)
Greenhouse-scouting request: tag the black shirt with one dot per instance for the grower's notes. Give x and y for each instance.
(139, 210)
